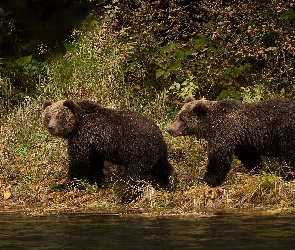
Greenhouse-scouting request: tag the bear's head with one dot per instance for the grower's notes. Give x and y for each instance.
(60, 118)
(192, 118)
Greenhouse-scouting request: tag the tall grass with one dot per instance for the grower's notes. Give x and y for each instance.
(92, 67)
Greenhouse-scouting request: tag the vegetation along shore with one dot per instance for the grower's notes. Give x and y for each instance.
(145, 57)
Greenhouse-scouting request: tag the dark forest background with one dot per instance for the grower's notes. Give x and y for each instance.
(212, 49)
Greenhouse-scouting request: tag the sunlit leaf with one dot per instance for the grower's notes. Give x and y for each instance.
(24, 60)
(69, 47)
(6, 195)
(208, 25)
(5, 208)
(166, 196)
(22, 170)
(271, 48)
(177, 102)
(160, 73)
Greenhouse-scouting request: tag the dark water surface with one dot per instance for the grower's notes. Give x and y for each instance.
(91, 231)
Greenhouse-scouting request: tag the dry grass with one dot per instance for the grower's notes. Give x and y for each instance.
(32, 163)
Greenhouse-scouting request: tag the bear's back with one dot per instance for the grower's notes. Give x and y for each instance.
(94, 117)
(280, 108)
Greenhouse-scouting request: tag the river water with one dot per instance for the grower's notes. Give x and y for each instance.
(92, 231)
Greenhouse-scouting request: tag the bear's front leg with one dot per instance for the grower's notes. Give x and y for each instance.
(134, 192)
(136, 177)
(79, 166)
(287, 158)
(219, 163)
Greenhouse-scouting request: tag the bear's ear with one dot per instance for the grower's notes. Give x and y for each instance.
(71, 105)
(200, 109)
(188, 99)
(46, 104)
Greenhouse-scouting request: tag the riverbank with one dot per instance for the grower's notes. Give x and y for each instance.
(92, 204)
(33, 163)
(103, 63)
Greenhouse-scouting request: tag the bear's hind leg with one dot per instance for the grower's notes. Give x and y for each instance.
(134, 191)
(251, 161)
(287, 153)
(137, 180)
(164, 175)
(288, 167)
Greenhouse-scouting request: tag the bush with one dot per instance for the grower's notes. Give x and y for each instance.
(220, 44)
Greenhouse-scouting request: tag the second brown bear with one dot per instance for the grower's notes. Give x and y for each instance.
(96, 134)
(249, 131)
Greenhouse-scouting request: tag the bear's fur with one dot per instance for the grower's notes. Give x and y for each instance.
(96, 134)
(250, 130)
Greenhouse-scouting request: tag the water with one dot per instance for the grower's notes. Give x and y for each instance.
(90, 231)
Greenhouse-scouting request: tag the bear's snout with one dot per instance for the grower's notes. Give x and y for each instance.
(50, 128)
(176, 129)
(169, 130)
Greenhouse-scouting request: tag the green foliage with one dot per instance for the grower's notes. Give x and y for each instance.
(229, 51)
(172, 57)
(261, 187)
(24, 60)
(188, 87)
(112, 9)
(246, 94)
(254, 94)
(233, 72)
(288, 14)
(30, 67)
(230, 93)
(158, 45)
(92, 66)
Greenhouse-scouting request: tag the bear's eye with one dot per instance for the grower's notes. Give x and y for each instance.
(59, 117)
(47, 117)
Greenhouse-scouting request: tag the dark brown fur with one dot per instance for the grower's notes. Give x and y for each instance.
(96, 134)
(249, 131)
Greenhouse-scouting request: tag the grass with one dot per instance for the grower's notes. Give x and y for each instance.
(32, 162)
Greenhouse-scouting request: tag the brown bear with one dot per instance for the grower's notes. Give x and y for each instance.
(248, 130)
(96, 134)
